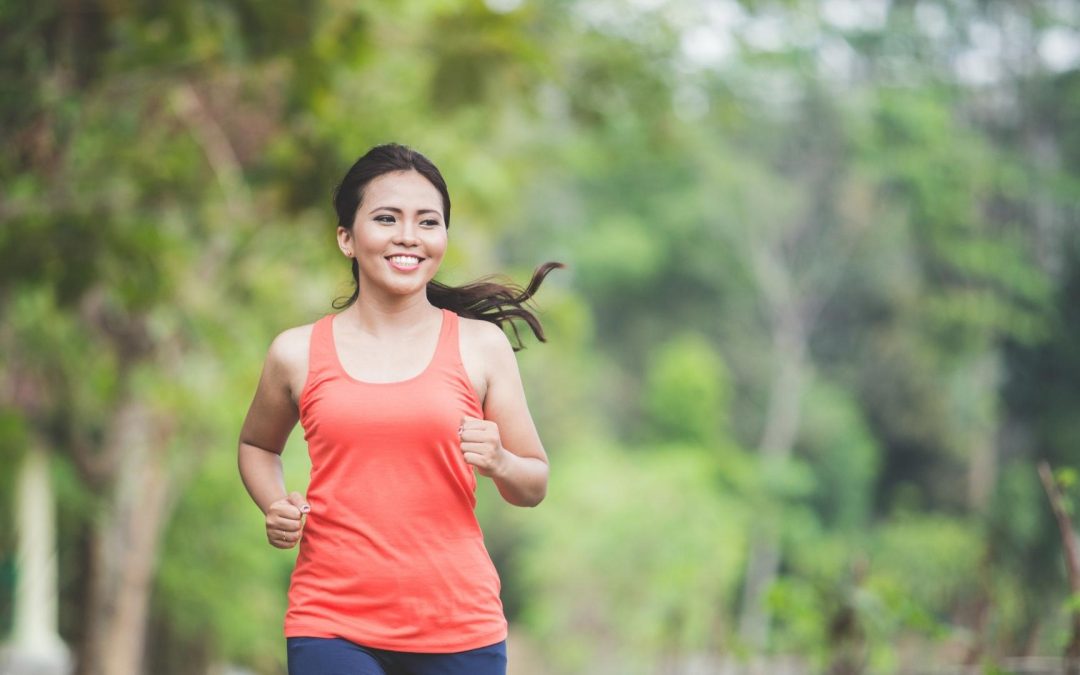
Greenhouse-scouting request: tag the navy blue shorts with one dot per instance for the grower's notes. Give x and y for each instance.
(337, 656)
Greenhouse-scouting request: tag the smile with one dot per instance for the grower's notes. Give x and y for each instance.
(404, 261)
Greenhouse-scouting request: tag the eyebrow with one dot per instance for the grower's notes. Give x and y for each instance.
(397, 210)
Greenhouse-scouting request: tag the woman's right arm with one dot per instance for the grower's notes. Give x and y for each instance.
(269, 421)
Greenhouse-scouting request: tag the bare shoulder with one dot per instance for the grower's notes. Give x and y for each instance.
(292, 343)
(485, 352)
(484, 338)
(288, 356)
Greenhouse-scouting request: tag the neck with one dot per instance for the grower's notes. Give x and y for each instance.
(391, 316)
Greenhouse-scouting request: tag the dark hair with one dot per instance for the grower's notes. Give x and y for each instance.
(484, 299)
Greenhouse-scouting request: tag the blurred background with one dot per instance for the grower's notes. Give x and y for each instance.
(820, 325)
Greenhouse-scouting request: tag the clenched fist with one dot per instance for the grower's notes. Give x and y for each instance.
(482, 447)
(285, 520)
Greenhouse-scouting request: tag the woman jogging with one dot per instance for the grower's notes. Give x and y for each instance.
(404, 396)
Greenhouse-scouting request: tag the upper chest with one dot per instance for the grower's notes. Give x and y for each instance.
(366, 359)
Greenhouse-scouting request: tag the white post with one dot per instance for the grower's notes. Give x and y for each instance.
(36, 646)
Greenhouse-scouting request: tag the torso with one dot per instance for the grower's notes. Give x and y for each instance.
(392, 554)
(368, 361)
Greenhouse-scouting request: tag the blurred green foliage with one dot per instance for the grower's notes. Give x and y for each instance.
(908, 192)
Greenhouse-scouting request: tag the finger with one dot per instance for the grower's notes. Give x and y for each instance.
(480, 463)
(474, 459)
(284, 536)
(288, 537)
(297, 500)
(476, 423)
(291, 521)
(285, 525)
(282, 542)
(479, 458)
(483, 427)
(286, 513)
(474, 435)
(477, 448)
(284, 509)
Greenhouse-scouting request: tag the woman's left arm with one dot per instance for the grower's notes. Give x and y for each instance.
(505, 445)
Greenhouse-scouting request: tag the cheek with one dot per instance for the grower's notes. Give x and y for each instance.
(437, 245)
(370, 238)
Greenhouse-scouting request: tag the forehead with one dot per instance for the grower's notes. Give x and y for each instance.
(403, 190)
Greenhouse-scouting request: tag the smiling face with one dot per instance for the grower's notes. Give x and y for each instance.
(398, 235)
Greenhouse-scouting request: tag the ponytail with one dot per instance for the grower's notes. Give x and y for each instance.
(500, 304)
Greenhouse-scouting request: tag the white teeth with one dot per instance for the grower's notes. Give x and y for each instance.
(405, 260)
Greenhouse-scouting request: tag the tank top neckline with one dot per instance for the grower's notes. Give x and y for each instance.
(444, 329)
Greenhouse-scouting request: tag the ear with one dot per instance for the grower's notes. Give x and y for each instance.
(345, 241)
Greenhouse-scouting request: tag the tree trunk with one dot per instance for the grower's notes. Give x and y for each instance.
(983, 381)
(1072, 562)
(761, 568)
(124, 543)
(777, 441)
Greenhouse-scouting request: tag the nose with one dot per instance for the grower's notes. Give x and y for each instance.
(406, 234)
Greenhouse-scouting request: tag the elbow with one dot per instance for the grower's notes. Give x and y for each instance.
(533, 500)
(526, 486)
(541, 489)
(538, 489)
(539, 497)
(524, 499)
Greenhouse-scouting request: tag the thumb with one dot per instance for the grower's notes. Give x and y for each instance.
(297, 500)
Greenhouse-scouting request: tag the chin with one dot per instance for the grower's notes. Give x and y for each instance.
(411, 289)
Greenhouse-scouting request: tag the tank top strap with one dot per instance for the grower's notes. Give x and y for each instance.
(447, 351)
(321, 357)
(450, 369)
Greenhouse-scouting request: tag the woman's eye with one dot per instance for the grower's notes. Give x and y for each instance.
(430, 223)
(384, 219)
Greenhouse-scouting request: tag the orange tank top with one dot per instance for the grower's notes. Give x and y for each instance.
(392, 556)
